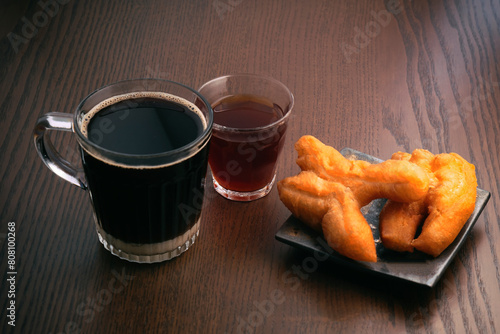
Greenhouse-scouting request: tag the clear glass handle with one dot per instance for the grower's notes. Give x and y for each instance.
(47, 152)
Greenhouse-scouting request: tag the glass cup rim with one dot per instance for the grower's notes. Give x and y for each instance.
(155, 156)
(224, 128)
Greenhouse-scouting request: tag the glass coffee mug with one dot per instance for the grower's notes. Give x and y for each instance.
(251, 115)
(144, 151)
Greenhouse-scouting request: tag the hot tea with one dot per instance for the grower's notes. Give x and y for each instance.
(245, 162)
(250, 119)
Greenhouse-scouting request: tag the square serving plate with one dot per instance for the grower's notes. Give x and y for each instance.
(415, 267)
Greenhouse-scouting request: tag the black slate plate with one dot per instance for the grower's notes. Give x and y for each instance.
(415, 267)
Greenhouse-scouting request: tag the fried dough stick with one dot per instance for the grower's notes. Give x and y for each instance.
(331, 189)
(330, 207)
(399, 222)
(451, 202)
(446, 208)
(398, 180)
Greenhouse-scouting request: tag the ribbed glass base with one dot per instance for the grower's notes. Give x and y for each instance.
(149, 253)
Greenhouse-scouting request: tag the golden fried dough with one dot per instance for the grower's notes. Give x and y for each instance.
(329, 207)
(399, 222)
(443, 212)
(347, 231)
(393, 179)
(329, 192)
(308, 197)
(450, 203)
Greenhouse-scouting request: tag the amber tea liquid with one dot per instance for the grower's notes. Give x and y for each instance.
(246, 161)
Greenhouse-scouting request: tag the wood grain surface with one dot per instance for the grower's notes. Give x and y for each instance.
(376, 76)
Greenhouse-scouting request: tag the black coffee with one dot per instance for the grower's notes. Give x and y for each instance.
(144, 125)
(145, 205)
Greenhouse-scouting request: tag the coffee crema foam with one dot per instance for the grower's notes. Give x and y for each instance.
(84, 123)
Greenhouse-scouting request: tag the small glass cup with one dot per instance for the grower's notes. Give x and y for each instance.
(251, 113)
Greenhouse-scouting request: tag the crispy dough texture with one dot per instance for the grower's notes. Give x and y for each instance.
(331, 208)
(346, 230)
(399, 180)
(308, 197)
(399, 222)
(450, 203)
(329, 192)
(445, 209)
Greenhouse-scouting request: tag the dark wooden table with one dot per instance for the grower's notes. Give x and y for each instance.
(376, 76)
